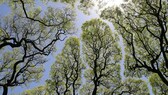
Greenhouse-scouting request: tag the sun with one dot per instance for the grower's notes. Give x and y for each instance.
(116, 3)
(100, 5)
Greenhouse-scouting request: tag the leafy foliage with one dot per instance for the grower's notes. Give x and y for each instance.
(66, 71)
(26, 38)
(143, 25)
(134, 86)
(29, 33)
(102, 53)
(40, 90)
(158, 87)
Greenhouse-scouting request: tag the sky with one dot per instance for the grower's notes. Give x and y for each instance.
(80, 19)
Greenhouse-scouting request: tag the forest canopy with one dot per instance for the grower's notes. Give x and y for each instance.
(101, 60)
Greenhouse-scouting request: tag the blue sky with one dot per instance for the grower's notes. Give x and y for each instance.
(80, 19)
(4, 9)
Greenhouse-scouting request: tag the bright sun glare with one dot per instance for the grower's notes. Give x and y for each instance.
(116, 2)
(102, 4)
(110, 3)
(113, 2)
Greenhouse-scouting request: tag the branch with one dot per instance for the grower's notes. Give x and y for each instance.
(48, 25)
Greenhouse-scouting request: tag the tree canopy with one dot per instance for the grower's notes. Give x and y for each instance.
(26, 37)
(66, 71)
(102, 53)
(89, 64)
(143, 25)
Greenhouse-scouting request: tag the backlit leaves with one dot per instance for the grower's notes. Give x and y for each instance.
(99, 48)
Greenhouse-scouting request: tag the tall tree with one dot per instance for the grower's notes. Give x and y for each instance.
(26, 37)
(66, 71)
(101, 53)
(143, 25)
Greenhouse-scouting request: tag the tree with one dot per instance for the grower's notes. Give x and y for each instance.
(26, 38)
(158, 87)
(66, 71)
(101, 53)
(143, 25)
(106, 84)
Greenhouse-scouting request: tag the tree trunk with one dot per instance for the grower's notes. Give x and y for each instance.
(94, 90)
(73, 89)
(5, 90)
